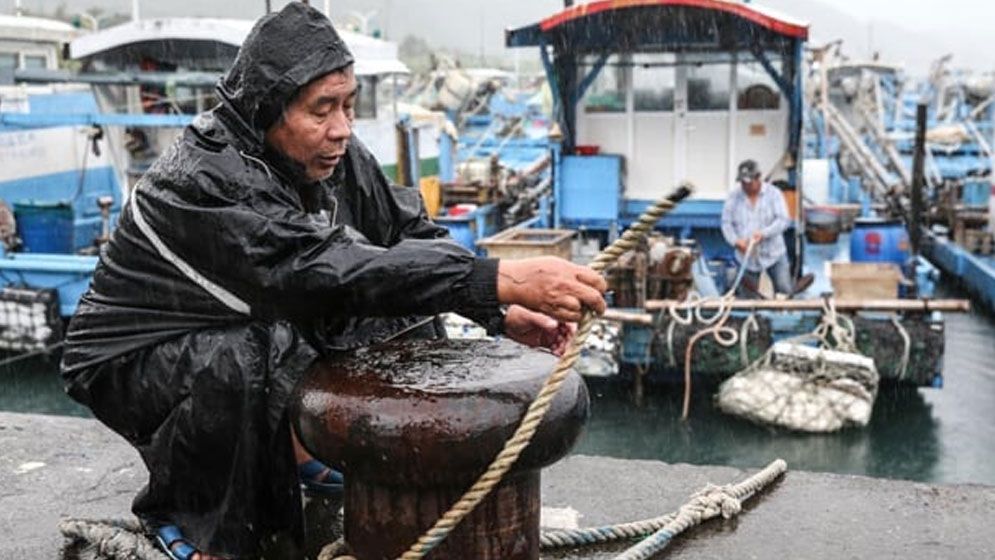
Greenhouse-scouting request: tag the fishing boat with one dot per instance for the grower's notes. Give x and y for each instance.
(43, 170)
(651, 94)
(77, 141)
(170, 66)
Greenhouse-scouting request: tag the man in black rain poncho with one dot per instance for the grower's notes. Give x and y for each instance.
(264, 238)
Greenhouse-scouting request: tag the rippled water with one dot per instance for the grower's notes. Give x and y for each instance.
(935, 435)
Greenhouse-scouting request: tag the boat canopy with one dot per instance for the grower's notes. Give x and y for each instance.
(578, 42)
(206, 44)
(34, 29)
(662, 25)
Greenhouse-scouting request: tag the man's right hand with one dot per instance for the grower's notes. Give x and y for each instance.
(742, 245)
(552, 286)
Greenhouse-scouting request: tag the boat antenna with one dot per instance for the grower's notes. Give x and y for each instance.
(135, 16)
(18, 9)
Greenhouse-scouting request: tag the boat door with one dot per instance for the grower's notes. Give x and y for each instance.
(670, 120)
(675, 118)
(701, 130)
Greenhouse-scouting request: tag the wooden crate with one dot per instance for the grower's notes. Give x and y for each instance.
(525, 243)
(856, 281)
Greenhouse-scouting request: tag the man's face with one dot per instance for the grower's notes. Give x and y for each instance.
(751, 186)
(316, 126)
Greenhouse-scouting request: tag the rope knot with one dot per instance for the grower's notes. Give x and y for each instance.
(714, 500)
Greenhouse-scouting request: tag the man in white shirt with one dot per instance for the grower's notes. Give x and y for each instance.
(755, 214)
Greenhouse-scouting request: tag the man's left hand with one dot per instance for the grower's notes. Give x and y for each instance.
(758, 237)
(537, 330)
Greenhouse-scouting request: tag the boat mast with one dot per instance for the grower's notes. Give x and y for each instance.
(135, 16)
(18, 10)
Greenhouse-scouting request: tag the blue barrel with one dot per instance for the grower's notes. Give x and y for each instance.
(879, 240)
(462, 229)
(45, 227)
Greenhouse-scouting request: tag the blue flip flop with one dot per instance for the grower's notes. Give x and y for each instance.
(170, 535)
(320, 480)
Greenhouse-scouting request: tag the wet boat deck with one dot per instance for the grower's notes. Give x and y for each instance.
(56, 466)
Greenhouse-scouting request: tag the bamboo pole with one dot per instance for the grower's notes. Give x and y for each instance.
(907, 305)
(644, 319)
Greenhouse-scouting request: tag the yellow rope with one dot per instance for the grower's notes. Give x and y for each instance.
(537, 410)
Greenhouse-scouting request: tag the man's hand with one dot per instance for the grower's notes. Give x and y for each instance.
(537, 330)
(742, 244)
(551, 286)
(758, 237)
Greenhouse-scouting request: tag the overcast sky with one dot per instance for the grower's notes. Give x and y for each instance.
(923, 15)
(906, 31)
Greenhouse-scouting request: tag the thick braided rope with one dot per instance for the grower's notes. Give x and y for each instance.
(563, 538)
(537, 410)
(704, 505)
(119, 539)
(337, 550)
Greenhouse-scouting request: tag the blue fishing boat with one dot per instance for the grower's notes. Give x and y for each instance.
(649, 94)
(861, 131)
(74, 143)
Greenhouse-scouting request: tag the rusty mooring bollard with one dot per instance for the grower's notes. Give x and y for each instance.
(413, 424)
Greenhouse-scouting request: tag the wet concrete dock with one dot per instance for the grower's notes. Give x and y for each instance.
(52, 467)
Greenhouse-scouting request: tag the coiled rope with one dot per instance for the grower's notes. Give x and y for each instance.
(118, 539)
(903, 366)
(715, 325)
(537, 410)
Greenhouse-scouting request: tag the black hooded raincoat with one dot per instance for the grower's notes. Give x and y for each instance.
(228, 275)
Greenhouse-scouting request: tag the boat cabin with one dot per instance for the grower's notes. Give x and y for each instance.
(31, 43)
(651, 93)
(171, 65)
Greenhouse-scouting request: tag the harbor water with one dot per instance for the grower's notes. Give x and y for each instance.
(928, 435)
(921, 434)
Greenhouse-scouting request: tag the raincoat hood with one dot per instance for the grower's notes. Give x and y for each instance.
(284, 52)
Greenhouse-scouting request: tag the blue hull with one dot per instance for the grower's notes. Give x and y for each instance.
(975, 272)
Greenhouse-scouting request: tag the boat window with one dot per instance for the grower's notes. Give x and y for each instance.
(366, 99)
(653, 82)
(607, 93)
(757, 90)
(193, 100)
(708, 87)
(386, 95)
(8, 61)
(35, 61)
